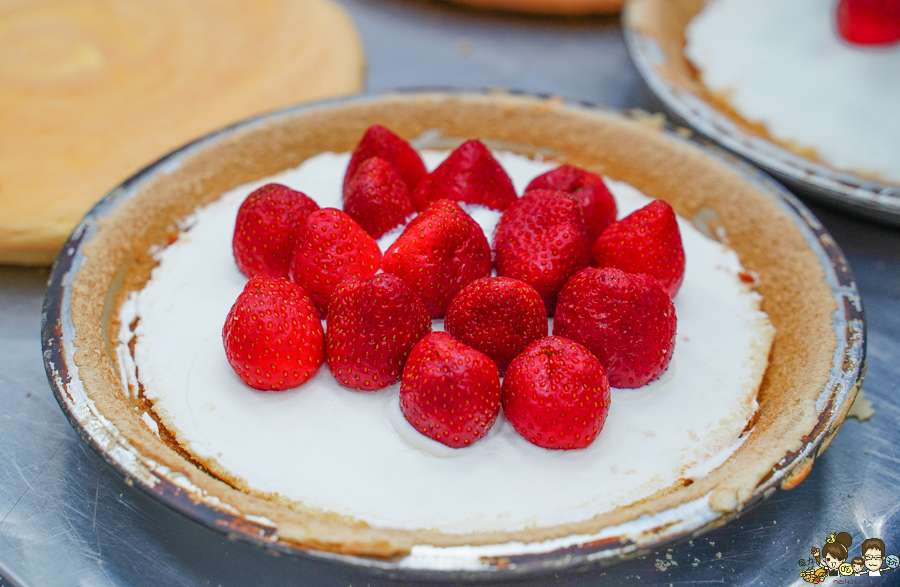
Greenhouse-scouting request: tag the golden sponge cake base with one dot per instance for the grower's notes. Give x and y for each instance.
(91, 91)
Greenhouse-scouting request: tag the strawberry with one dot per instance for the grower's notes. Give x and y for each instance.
(555, 394)
(438, 254)
(380, 142)
(627, 320)
(869, 22)
(373, 324)
(273, 336)
(498, 316)
(331, 247)
(377, 198)
(470, 174)
(540, 240)
(266, 229)
(646, 241)
(588, 189)
(449, 392)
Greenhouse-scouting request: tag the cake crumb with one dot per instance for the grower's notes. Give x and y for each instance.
(465, 46)
(862, 408)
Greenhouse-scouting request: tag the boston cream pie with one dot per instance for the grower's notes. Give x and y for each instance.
(314, 504)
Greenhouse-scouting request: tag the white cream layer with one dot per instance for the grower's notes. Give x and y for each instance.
(352, 453)
(782, 63)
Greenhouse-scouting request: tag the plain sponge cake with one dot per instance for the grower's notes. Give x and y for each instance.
(92, 91)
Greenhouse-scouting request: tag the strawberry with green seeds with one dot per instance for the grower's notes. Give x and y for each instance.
(331, 247)
(555, 394)
(627, 320)
(449, 392)
(273, 335)
(498, 316)
(372, 326)
(646, 241)
(440, 252)
(266, 229)
(469, 174)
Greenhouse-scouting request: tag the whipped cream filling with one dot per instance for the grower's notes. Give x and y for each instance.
(783, 64)
(353, 454)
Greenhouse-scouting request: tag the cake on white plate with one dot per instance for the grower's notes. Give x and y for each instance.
(328, 468)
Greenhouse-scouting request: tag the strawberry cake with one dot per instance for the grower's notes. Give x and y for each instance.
(333, 463)
(816, 78)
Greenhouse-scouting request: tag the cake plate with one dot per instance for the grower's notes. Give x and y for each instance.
(607, 547)
(654, 59)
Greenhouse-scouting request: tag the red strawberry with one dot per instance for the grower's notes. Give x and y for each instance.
(273, 336)
(588, 189)
(470, 174)
(626, 319)
(380, 142)
(377, 198)
(869, 22)
(449, 392)
(266, 229)
(646, 241)
(440, 251)
(555, 394)
(540, 240)
(331, 247)
(373, 324)
(498, 316)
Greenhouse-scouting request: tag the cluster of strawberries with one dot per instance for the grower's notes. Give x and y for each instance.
(614, 322)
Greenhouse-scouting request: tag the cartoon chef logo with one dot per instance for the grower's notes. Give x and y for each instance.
(832, 559)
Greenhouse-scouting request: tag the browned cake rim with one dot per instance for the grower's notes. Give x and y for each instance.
(109, 256)
(654, 35)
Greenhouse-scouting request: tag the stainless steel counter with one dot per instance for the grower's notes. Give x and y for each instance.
(66, 518)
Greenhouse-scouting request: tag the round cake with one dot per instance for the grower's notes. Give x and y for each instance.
(185, 418)
(91, 91)
(779, 85)
(784, 67)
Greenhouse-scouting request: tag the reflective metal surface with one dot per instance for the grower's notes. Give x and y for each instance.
(67, 518)
(871, 199)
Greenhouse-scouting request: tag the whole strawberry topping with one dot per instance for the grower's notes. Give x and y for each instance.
(273, 336)
(330, 248)
(646, 241)
(380, 142)
(438, 254)
(377, 198)
(869, 22)
(541, 240)
(626, 320)
(555, 394)
(498, 316)
(470, 174)
(588, 189)
(373, 324)
(449, 391)
(266, 229)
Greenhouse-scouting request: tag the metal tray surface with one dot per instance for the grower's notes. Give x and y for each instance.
(608, 547)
